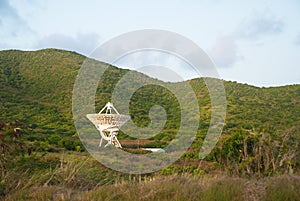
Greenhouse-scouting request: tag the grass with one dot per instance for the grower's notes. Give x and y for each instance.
(79, 177)
(159, 188)
(286, 188)
(228, 189)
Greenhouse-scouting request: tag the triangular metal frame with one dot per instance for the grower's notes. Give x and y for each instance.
(108, 132)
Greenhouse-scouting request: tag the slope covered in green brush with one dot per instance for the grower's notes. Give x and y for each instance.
(36, 88)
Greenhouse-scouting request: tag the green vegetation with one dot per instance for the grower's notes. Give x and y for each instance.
(42, 157)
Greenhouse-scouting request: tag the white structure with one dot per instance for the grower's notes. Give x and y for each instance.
(108, 121)
(155, 150)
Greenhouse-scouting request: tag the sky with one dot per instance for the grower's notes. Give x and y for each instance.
(253, 41)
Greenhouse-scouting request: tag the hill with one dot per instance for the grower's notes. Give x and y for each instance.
(42, 158)
(36, 88)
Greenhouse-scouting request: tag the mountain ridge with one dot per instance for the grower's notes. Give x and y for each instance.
(86, 57)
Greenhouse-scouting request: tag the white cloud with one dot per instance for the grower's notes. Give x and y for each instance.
(83, 43)
(259, 25)
(13, 28)
(224, 51)
(157, 64)
(254, 29)
(297, 41)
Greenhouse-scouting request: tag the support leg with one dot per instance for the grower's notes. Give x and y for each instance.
(118, 144)
(100, 144)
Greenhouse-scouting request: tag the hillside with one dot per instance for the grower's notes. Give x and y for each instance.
(36, 88)
(42, 158)
(44, 79)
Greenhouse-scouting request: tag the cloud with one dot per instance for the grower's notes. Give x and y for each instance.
(297, 41)
(15, 32)
(5, 7)
(83, 43)
(157, 64)
(259, 25)
(224, 51)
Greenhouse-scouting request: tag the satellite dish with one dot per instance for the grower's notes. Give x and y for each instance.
(108, 122)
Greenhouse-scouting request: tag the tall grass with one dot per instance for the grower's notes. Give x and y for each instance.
(283, 188)
(173, 188)
(79, 177)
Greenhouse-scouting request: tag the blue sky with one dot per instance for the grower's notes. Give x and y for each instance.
(255, 42)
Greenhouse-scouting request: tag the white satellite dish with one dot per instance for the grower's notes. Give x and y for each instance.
(108, 121)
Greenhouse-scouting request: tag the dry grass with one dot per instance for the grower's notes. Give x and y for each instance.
(284, 188)
(79, 177)
(205, 188)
